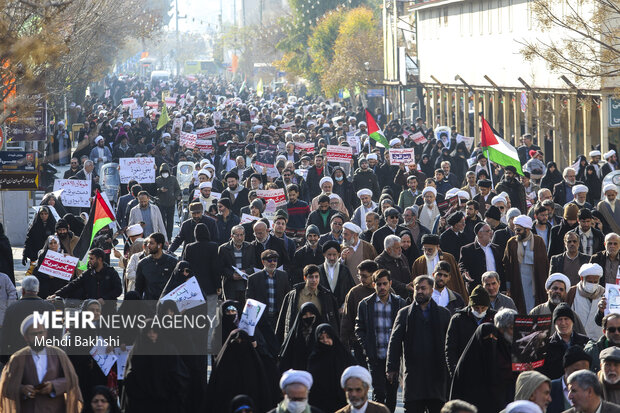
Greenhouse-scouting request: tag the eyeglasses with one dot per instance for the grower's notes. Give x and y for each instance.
(270, 259)
(613, 329)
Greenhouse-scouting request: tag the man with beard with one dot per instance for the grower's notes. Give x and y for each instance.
(514, 189)
(483, 375)
(443, 296)
(315, 173)
(491, 284)
(429, 211)
(356, 382)
(480, 256)
(610, 338)
(321, 217)
(610, 207)
(411, 222)
(148, 213)
(609, 259)
(367, 205)
(609, 375)
(372, 224)
(452, 239)
(563, 191)
(100, 154)
(239, 254)
(66, 237)
(591, 239)
(419, 336)
(611, 164)
(99, 282)
(154, 271)
(472, 218)
(409, 195)
(542, 227)
(279, 231)
(350, 309)
(74, 168)
(205, 197)
(526, 266)
(39, 377)
(585, 296)
(237, 194)
(557, 286)
(432, 254)
(485, 196)
(310, 253)
(569, 262)
(335, 224)
(568, 223)
(186, 233)
(355, 250)
(295, 386)
(586, 394)
(335, 276)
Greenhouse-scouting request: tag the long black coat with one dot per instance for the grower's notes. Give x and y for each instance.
(205, 262)
(6, 256)
(474, 262)
(37, 235)
(556, 243)
(343, 285)
(460, 330)
(553, 367)
(450, 241)
(186, 233)
(305, 256)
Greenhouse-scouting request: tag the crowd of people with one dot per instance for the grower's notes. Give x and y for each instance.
(374, 276)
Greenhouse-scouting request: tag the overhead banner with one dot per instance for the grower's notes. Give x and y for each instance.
(140, 169)
(304, 146)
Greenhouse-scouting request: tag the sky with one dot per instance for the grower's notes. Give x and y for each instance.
(201, 14)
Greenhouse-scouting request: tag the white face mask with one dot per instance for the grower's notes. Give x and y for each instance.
(477, 314)
(165, 175)
(295, 407)
(589, 287)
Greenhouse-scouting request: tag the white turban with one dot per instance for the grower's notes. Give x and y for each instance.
(334, 196)
(610, 187)
(357, 372)
(205, 172)
(372, 156)
(523, 221)
(364, 191)
(463, 194)
(595, 153)
(395, 141)
(609, 154)
(591, 269)
(452, 192)
(165, 135)
(205, 185)
(429, 189)
(203, 162)
(523, 406)
(557, 276)
(578, 189)
(325, 179)
(361, 123)
(134, 230)
(498, 198)
(98, 138)
(26, 324)
(352, 227)
(296, 376)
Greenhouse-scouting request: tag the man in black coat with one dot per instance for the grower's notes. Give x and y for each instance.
(335, 276)
(575, 358)
(513, 188)
(234, 283)
(321, 217)
(154, 271)
(263, 241)
(501, 236)
(473, 262)
(6, 256)
(394, 261)
(569, 222)
(269, 286)
(419, 336)
(204, 261)
(391, 227)
(594, 239)
(310, 253)
(315, 173)
(237, 194)
(453, 239)
(563, 191)
(186, 233)
(569, 262)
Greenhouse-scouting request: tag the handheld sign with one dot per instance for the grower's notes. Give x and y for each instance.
(612, 294)
(252, 313)
(304, 146)
(57, 265)
(177, 123)
(137, 113)
(75, 192)
(341, 154)
(418, 138)
(121, 361)
(277, 195)
(140, 169)
(398, 156)
(206, 133)
(104, 360)
(187, 140)
(266, 154)
(187, 295)
(530, 341)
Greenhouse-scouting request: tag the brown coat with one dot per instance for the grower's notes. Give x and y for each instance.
(456, 282)
(513, 273)
(351, 302)
(373, 407)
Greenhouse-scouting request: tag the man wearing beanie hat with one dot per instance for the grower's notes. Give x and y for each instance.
(526, 266)
(514, 189)
(464, 323)
(493, 217)
(556, 242)
(186, 233)
(452, 239)
(365, 178)
(575, 358)
(564, 336)
(67, 239)
(535, 387)
(310, 253)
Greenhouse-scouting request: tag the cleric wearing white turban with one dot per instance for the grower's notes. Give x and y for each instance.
(523, 221)
(558, 276)
(295, 376)
(356, 380)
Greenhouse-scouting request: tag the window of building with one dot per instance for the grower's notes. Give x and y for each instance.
(461, 18)
(445, 16)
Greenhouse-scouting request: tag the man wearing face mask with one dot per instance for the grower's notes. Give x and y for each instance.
(356, 382)
(295, 386)
(168, 193)
(585, 296)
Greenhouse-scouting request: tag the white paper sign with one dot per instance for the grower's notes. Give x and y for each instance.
(336, 153)
(104, 360)
(252, 313)
(245, 218)
(240, 273)
(187, 295)
(469, 141)
(129, 103)
(419, 138)
(302, 172)
(170, 101)
(58, 265)
(177, 123)
(140, 169)
(398, 156)
(137, 113)
(612, 294)
(206, 133)
(188, 140)
(354, 141)
(287, 126)
(204, 145)
(276, 194)
(121, 361)
(76, 192)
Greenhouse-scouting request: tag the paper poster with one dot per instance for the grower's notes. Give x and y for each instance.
(448, 203)
(140, 169)
(398, 156)
(187, 140)
(129, 103)
(240, 273)
(204, 145)
(447, 132)
(137, 113)
(121, 361)
(75, 192)
(187, 295)
(469, 141)
(354, 141)
(206, 133)
(612, 294)
(302, 172)
(104, 360)
(304, 146)
(341, 154)
(530, 340)
(277, 195)
(245, 218)
(287, 126)
(236, 149)
(419, 138)
(177, 123)
(217, 117)
(251, 315)
(266, 154)
(273, 173)
(170, 101)
(470, 162)
(153, 104)
(58, 265)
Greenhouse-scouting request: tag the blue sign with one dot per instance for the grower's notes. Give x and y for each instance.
(614, 113)
(373, 93)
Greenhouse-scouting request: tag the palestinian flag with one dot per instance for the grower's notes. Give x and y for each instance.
(496, 149)
(163, 118)
(374, 131)
(100, 215)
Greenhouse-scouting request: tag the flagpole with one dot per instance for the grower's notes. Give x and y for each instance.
(490, 168)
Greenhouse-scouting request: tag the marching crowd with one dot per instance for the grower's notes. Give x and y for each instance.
(375, 276)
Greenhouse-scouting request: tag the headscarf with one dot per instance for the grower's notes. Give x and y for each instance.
(230, 322)
(297, 346)
(550, 178)
(411, 253)
(240, 402)
(593, 182)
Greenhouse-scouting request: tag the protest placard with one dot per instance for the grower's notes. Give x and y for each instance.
(469, 141)
(129, 103)
(204, 145)
(341, 154)
(276, 194)
(121, 361)
(137, 113)
(206, 133)
(245, 218)
(529, 341)
(612, 294)
(58, 265)
(217, 117)
(306, 146)
(405, 156)
(154, 104)
(170, 101)
(287, 126)
(236, 149)
(177, 123)
(104, 360)
(418, 138)
(187, 140)
(76, 192)
(266, 154)
(140, 169)
(252, 312)
(187, 295)
(354, 141)
(302, 172)
(448, 203)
